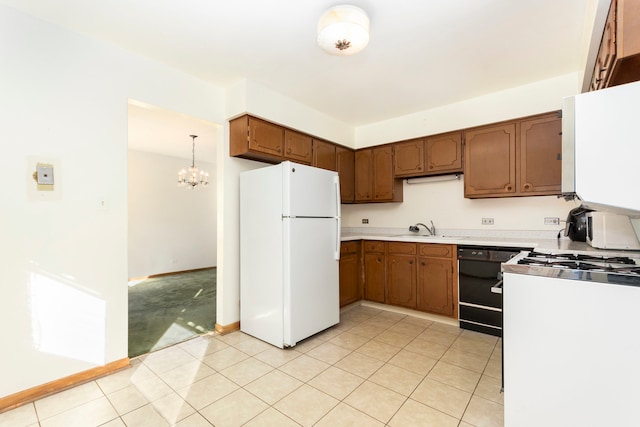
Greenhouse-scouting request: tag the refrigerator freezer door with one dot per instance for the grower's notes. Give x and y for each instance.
(310, 192)
(311, 290)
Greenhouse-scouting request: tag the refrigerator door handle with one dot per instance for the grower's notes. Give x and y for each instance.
(336, 182)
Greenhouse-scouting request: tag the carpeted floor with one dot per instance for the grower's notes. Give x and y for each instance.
(170, 309)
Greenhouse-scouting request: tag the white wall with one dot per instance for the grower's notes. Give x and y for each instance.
(171, 228)
(64, 260)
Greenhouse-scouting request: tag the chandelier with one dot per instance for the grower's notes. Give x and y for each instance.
(193, 177)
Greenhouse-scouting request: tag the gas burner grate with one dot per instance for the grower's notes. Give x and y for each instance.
(582, 257)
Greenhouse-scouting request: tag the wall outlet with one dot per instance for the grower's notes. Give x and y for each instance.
(365, 220)
(487, 221)
(551, 220)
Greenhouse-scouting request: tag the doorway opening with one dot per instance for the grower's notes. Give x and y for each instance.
(171, 230)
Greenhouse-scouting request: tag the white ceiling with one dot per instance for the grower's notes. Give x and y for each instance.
(422, 53)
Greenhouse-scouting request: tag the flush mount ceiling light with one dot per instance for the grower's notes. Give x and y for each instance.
(343, 30)
(193, 177)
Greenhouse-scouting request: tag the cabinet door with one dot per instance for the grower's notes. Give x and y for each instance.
(349, 278)
(324, 155)
(540, 155)
(383, 180)
(444, 153)
(401, 280)
(490, 161)
(346, 171)
(363, 175)
(409, 158)
(374, 277)
(435, 286)
(297, 147)
(265, 137)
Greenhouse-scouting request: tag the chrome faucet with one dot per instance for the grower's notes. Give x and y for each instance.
(415, 228)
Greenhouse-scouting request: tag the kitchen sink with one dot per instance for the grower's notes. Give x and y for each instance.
(429, 236)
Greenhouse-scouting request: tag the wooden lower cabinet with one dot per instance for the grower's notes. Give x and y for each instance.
(401, 280)
(349, 273)
(374, 271)
(434, 289)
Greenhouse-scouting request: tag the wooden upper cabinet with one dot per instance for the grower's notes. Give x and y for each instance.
(383, 179)
(345, 160)
(324, 155)
(618, 59)
(540, 155)
(409, 158)
(364, 175)
(297, 147)
(265, 137)
(490, 159)
(444, 153)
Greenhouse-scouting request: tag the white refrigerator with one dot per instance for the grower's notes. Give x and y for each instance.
(289, 252)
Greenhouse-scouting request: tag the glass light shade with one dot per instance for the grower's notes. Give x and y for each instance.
(343, 30)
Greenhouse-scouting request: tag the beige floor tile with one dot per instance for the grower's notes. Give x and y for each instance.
(484, 413)
(478, 336)
(393, 338)
(20, 417)
(418, 321)
(306, 405)
(146, 416)
(447, 329)
(224, 358)
(472, 345)
(426, 348)
(378, 350)
(463, 424)
(277, 357)
(207, 390)
(273, 386)
(252, 346)
(465, 359)
(336, 382)
(376, 401)
(437, 337)
(127, 399)
(308, 344)
(455, 376)
(415, 414)
(354, 316)
(345, 325)
(396, 379)
(246, 371)
(234, 409)
(113, 423)
(489, 388)
(414, 362)
(494, 368)
(360, 364)
(93, 413)
(385, 314)
(367, 331)
(186, 374)
(349, 341)
(380, 323)
(271, 418)
(328, 352)
(234, 338)
(195, 420)
(328, 334)
(173, 408)
(443, 397)
(203, 346)
(137, 373)
(68, 399)
(304, 367)
(406, 328)
(344, 415)
(167, 359)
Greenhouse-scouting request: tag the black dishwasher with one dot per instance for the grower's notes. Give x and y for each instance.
(480, 287)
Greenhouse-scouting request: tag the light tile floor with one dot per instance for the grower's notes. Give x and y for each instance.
(375, 368)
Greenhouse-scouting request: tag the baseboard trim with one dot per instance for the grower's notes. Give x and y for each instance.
(225, 329)
(17, 399)
(171, 273)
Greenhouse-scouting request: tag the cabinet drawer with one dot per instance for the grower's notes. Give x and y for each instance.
(373, 246)
(436, 250)
(349, 247)
(401, 248)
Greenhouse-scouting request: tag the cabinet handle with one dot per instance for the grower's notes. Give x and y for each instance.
(527, 186)
(289, 151)
(423, 263)
(278, 149)
(411, 262)
(509, 187)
